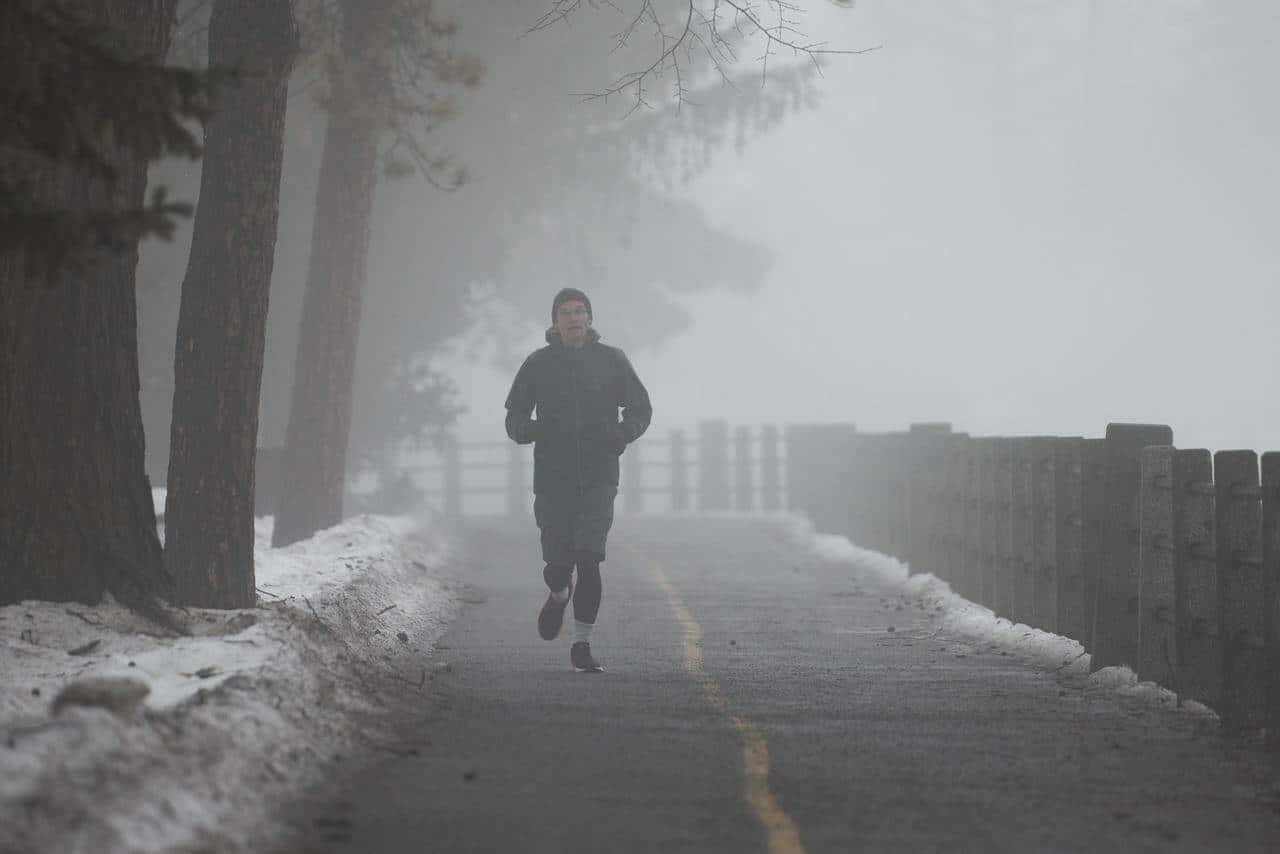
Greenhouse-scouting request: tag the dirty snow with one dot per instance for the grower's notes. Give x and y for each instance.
(977, 623)
(240, 716)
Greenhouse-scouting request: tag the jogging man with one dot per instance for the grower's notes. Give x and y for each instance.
(577, 386)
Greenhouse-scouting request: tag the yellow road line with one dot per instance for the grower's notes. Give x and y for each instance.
(784, 838)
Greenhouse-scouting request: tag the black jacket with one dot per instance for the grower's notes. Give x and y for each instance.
(577, 394)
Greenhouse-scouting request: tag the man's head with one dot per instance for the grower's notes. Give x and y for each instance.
(571, 316)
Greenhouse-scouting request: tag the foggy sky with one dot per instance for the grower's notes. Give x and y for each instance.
(1033, 222)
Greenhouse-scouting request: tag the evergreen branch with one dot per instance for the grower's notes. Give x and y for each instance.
(52, 241)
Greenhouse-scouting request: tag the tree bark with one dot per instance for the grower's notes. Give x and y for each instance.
(315, 451)
(209, 532)
(76, 513)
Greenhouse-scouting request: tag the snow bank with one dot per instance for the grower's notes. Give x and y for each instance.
(980, 625)
(239, 716)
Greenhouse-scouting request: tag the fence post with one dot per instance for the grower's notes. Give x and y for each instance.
(1044, 544)
(1240, 586)
(1271, 596)
(744, 499)
(1093, 513)
(632, 479)
(797, 442)
(1021, 498)
(971, 572)
(1117, 616)
(452, 454)
(679, 463)
(516, 503)
(938, 529)
(882, 493)
(821, 475)
(891, 480)
(1002, 554)
(953, 520)
(713, 465)
(1069, 527)
(863, 473)
(922, 465)
(885, 495)
(987, 530)
(1195, 577)
(770, 480)
(869, 505)
(1157, 639)
(846, 482)
(898, 458)
(935, 512)
(852, 470)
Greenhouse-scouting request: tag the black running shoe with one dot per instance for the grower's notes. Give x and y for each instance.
(551, 617)
(583, 660)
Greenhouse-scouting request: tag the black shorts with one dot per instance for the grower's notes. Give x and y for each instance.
(574, 522)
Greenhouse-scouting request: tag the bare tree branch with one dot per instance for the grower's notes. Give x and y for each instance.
(710, 28)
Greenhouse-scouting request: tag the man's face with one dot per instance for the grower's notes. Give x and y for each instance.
(572, 322)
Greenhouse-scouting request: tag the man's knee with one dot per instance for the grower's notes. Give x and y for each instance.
(588, 558)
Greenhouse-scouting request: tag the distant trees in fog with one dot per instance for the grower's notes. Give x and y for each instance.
(90, 101)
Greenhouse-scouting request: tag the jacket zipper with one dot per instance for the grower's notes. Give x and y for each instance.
(577, 418)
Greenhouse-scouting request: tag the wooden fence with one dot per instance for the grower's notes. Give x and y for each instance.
(1163, 559)
(717, 469)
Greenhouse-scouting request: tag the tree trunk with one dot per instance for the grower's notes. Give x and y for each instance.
(223, 315)
(76, 514)
(315, 451)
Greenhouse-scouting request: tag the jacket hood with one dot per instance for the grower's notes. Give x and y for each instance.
(553, 337)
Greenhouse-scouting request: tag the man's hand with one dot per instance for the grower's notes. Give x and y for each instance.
(618, 439)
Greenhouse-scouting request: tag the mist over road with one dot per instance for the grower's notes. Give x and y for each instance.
(759, 698)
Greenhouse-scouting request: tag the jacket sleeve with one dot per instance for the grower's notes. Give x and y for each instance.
(521, 427)
(637, 411)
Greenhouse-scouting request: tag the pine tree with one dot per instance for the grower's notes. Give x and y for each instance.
(209, 531)
(87, 104)
(382, 50)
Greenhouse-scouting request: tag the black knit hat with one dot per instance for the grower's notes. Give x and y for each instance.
(569, 295)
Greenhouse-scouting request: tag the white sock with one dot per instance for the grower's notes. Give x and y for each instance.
(582, 631)
(560, 596)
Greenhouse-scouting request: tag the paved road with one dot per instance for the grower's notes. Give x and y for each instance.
(755, 700)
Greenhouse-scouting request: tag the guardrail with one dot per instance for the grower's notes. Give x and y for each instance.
(1163, 559)
(718, 469)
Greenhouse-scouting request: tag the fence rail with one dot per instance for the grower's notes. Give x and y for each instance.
(1163, 559)
(719, 469)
